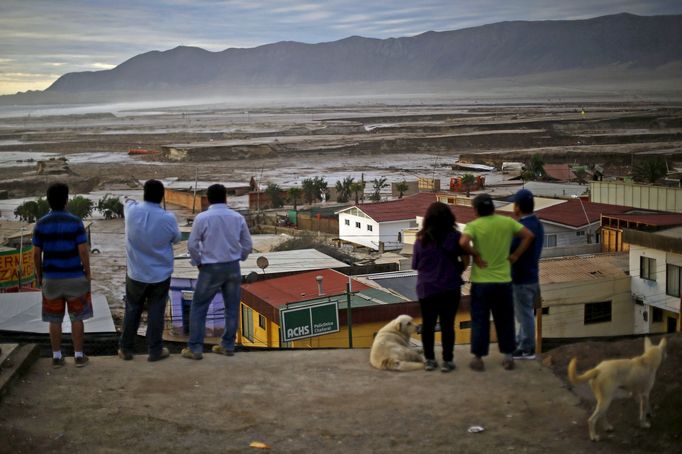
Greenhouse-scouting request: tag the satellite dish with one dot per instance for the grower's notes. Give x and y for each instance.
(262, 262)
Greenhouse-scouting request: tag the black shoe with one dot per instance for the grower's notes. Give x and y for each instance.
(522, 354)
(124, 355)
(163, 355)
(447, 366)
(81, 361)
(58, 362)
(430, 364)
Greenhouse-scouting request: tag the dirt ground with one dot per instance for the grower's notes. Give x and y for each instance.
(665, 434)
(295, 401)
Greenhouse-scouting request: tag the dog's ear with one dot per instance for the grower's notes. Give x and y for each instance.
(663, 343)
(647, 343)
(398, 325)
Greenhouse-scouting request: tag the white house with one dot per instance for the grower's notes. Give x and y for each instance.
(656, 270)
(382, 223)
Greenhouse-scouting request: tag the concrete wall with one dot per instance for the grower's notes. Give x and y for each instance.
(637, 195)
(566, 303)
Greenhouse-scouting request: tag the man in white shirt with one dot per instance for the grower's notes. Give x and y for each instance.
(220, 238)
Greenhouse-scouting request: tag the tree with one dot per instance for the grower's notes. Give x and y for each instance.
(650, 170)
(32, 210)
(80, 206)
(468, 180)
(343, 189)
(378, 184)
(110, 207)
(357, 188)
(580, 174)
(274, 193)
(537, 165)
(401, 187)
(294, 194)
(313, 189)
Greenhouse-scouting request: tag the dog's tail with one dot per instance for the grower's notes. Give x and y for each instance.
(574, 378)
(394, 364)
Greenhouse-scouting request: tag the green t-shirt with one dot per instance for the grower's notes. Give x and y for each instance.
(492, 237)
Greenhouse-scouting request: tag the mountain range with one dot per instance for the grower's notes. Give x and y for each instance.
(505, 49)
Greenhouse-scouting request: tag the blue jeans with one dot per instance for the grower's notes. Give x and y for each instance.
(524, 303)
(214, 277)
(155, 296)
(495, 298)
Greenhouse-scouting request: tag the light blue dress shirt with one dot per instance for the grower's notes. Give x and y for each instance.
(150, 234)
(219, 235)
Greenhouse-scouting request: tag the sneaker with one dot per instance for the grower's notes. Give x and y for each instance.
(508, 363)
(81, 361)
(430, 364)
(189, 354)
(58, 362)
(522, 354)
(477, 364)
(447, 366)
(219, 349)
(163, 355)
(124, 355)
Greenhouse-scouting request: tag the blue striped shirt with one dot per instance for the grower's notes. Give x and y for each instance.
(58, 234)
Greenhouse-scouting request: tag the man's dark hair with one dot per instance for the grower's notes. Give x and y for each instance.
(483, 204)
(153, 191)
(216, 193)
(526, 206)
(57, 196)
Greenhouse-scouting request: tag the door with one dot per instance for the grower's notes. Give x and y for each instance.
(672, 325)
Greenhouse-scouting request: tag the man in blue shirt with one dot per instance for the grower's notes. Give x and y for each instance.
(220, 238)
(62, 267)
(526, 287)
(150, 234)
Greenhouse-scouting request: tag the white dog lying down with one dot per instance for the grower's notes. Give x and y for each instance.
(391, 348)
(635, 375)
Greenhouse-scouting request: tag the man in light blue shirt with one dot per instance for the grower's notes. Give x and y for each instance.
(150, 234)
(220, 238)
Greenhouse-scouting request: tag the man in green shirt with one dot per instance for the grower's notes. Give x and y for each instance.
(488, 239)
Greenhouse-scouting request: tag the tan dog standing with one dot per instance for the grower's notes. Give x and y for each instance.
(635, 375)
(391, 347)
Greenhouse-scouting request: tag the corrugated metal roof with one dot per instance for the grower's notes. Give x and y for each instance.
(406, 208)
(652, 219)
(560, 172)
(301, 287)
(540, 204)
(577, 213)
(580, 268)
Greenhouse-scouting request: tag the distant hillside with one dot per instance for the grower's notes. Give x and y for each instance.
(625, 43)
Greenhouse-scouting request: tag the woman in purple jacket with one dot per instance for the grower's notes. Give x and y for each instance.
(439, 261)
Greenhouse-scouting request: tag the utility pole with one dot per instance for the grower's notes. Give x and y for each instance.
(349, 315)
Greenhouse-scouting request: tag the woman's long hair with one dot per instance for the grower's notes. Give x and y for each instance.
(439, 220)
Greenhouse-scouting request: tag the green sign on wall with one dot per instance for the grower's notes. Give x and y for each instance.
(309, 321)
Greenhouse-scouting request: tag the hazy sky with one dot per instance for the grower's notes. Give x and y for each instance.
(43, 39)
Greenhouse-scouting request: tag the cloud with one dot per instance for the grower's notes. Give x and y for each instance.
(39, 36)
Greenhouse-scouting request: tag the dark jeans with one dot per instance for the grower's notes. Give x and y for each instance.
(498, 299)
(441, 307)
(155, 295)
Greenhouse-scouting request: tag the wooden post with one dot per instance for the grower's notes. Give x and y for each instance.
(538, 325)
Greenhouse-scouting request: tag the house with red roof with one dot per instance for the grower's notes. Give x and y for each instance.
(380, 225)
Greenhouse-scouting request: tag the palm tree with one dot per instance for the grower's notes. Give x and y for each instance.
(537, 165)
(343, 189)
(401, 187)
(378, 184)
(468, 180)
(294, 194)
(357, 188)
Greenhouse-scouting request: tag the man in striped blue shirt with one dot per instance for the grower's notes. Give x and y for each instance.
(62, 264)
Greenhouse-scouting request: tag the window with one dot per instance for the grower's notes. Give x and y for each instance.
(656, 315)
(672, 280)
(647, 268)
(550, 240)
(357, 225)
(346, 221)
(369, 228)
(545, 311)
(580, 233)
(465, 325)
(247, 322)
(451, 200)
(597, 312)
(261, 321)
